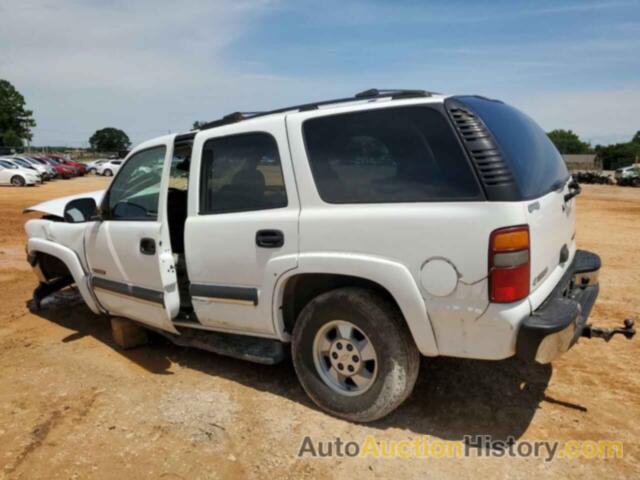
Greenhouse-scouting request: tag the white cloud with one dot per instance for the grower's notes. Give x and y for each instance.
(150, 66)
(145, 66)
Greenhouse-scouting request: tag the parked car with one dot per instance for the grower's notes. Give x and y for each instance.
(65, 171)
(92, 167)
(109, 168)
(80, 167)
(49, 172)
(21, 162)
(452, 234)
(12, 174)
(628, 176)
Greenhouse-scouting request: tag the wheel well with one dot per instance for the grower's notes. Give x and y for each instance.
(51, 267)
(302, 288)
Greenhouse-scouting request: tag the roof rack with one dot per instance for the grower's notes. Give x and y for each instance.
(371, 94)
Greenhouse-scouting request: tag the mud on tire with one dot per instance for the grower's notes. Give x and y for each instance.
(397, 358)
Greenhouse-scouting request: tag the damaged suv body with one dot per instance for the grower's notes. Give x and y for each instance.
(357, 234)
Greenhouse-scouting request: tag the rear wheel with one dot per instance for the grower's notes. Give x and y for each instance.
(18, 181)
(107, 173)
(353, 354)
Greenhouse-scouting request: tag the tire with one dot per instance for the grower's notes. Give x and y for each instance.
(91, 171)
(107, 173)
(17, 181)
(393, 373)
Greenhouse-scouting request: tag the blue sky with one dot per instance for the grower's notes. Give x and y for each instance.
(151, 67)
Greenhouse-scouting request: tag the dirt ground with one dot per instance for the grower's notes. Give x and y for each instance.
(74, 406)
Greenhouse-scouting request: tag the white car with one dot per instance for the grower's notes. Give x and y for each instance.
(626, 172)
(92, 167)
(383, 227)
(24, 162)
(109, 168)
(51, 173)
(13, 174)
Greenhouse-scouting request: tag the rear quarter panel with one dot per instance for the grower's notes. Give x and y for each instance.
(409, 234)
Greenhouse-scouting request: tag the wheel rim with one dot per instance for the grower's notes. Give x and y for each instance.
(17, 181)
(345, 358)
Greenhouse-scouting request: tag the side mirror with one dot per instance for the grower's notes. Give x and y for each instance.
(81, 210)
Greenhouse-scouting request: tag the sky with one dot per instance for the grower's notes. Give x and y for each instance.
(153, 67)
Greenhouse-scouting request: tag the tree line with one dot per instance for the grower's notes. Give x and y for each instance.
(612, 156)
(16, 122)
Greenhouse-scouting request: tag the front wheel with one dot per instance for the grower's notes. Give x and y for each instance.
(107, 173)
(354, 355)
(17, 181)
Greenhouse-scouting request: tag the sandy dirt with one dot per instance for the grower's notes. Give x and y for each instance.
(74, 406)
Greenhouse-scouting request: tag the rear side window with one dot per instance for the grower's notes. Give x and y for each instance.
(407, 154)
(241, 173)
(535, 162)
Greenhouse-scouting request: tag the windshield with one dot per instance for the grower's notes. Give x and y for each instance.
(535, 162)
(135, 192)
(7, 164)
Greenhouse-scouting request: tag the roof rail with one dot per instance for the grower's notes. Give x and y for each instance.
(372, 93)
(394, 93)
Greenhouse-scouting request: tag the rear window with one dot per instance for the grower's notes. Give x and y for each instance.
(535, 162)
(407, 154)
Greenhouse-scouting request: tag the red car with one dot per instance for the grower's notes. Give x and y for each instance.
(80, 167)
(62, 170)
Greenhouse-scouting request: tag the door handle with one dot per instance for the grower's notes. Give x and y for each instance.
(269, 238)
(148, 246)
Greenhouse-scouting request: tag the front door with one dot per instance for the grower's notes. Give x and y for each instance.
(129, 252)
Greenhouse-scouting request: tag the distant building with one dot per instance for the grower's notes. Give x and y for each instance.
(587, 161)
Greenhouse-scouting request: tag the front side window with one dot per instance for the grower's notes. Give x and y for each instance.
(405, 154)
(241, 173)
(135, 191)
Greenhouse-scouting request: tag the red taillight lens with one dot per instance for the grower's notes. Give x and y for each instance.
(509, 264)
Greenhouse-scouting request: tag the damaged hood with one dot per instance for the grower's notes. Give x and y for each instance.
(56, 207)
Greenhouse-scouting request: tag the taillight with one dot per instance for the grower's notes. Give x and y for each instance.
(509, 264)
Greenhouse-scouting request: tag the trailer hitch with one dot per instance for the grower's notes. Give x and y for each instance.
(628, 331)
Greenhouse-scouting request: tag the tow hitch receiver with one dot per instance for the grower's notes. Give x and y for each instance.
(628, 331)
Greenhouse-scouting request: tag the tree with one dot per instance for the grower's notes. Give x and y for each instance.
(198, 124)
(16, 121)
(618, 155)
(568, 142)
(636, 138)
(109, 140)
(10, 138)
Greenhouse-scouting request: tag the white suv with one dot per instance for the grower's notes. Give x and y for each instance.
(357, 234)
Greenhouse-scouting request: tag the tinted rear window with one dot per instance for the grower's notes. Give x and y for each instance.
(408, 154)
(535, 162)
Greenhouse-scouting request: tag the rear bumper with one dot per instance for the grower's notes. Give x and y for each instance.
(558, 323)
